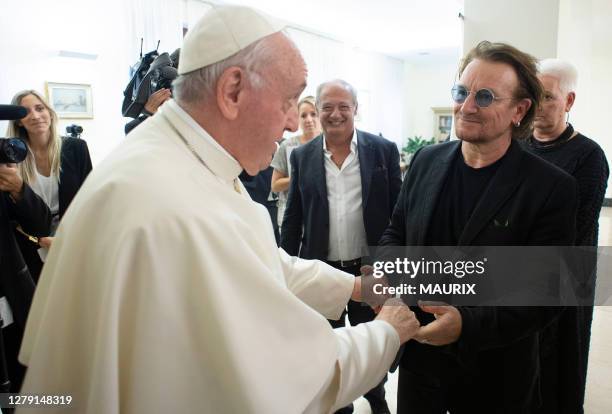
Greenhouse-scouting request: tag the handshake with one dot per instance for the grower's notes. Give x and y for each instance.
(444, 330)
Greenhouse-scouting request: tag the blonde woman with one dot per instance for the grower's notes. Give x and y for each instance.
(310, 127)
(54, 168)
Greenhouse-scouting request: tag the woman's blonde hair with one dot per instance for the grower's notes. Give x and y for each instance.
(308, 100)
(27, 168)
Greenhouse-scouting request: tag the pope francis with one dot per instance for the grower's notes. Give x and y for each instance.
(164, 291)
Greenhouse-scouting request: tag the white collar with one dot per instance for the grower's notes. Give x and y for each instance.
(215, 157)
(353, 142)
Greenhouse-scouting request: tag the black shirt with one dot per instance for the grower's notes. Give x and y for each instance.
(582, 158)
(460, 194)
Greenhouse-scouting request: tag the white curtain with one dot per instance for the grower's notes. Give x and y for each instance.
(153, 21)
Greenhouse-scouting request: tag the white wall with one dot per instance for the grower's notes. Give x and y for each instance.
(30, 58)
(34, 31)
(585, 40)
(530, 25)
(425, 86)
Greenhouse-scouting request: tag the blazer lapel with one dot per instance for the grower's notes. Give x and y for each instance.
(366, 166)
(500, 188)
(62, 180)
(435, 182)
(317, 163)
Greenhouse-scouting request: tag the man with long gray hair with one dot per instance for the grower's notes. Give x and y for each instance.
(179, 300)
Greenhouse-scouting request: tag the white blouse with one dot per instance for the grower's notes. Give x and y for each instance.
(47, 188)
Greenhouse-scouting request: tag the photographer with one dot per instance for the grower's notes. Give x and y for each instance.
(17, 203)
(54, 169)
(150, 86)
(156, 99)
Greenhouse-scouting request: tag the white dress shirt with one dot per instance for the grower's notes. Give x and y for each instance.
(347, 236)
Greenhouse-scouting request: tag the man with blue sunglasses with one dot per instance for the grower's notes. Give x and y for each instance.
(481, 190)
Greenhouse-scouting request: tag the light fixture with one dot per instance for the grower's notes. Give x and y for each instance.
(77, 55)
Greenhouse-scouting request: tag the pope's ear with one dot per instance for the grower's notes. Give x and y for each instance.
(230, 90)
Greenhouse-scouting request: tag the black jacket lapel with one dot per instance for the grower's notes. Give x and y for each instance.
(435, 184)
(315, 166)
(366, 166)
(500, 188)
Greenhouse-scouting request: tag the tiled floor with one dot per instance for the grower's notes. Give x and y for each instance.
(599, 381)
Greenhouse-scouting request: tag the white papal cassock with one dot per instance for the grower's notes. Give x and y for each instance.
(164, 292)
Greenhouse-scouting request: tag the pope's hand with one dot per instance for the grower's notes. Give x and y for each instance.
(445, 330)
(395, 312)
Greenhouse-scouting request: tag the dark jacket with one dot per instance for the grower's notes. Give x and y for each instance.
(565, 343)
(16, 283)
(498, 347)
(75, 166)
(306, 219)
(259, 188)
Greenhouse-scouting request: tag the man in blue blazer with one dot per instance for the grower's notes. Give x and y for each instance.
(344, 185)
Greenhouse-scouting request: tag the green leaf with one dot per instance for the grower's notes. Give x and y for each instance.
(413, 144)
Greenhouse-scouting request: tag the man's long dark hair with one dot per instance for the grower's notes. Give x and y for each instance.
(525, 67)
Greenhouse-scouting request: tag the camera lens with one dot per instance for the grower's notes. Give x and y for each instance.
(12, 150)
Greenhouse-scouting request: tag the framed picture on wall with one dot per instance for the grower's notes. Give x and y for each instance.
(70, 100)
(443, 121)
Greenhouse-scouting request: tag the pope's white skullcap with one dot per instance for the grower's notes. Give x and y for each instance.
(222, 32)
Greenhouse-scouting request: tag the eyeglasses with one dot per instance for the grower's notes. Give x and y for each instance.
(484, 97)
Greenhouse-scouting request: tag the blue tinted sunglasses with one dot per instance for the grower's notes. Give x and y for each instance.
(484, 97)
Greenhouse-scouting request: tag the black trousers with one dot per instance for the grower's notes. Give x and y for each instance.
(421, 393)
(433, 391)
(11, 337)
(359, 313)
(565, 358)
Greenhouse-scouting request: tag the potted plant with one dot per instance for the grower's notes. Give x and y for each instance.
(413, 144)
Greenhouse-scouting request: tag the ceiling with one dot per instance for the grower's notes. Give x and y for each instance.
(412, 30)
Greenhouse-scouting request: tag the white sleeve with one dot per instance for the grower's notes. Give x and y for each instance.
(366, 353)
(321, 286)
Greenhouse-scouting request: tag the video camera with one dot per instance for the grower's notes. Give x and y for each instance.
(12, 150)
(153, 72)
(74, 131)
